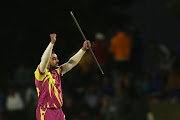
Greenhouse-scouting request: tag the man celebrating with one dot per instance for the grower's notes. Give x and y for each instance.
(48, 81)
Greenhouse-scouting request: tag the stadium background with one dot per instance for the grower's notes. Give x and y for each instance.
(25, 29)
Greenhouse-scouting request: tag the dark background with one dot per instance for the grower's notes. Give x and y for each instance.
(25, 27)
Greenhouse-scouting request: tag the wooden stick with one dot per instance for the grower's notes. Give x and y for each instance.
(85, 40)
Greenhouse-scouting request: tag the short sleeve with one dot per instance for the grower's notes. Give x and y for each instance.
(39, 75)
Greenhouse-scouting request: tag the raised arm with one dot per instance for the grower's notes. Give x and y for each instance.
(74, 60)
(47, 54)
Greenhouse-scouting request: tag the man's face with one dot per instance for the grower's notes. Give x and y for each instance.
(53, 62)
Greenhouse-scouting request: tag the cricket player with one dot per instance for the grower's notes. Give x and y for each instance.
(48, 81)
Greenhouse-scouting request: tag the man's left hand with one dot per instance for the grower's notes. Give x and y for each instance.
(86, 45)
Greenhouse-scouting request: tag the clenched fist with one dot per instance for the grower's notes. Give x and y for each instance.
(53, 38)
(86, 45)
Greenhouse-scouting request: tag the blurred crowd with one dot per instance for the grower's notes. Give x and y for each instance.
(137, 73)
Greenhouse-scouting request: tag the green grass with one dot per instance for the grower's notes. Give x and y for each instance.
(165, 111)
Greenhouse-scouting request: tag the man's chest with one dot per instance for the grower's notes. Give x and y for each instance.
(54, 79)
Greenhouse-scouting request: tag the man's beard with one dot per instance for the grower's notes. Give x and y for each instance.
(53, 67)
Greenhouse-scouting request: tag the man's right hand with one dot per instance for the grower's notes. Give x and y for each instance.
(53, 38)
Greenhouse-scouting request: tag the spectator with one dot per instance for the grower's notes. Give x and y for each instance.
(92, 96)
(107, 88)
(120, 47)
(100, 49)
(110, 109)
(156, 85)
(31, 99)
(142, 84)
(14, 105)
(21, 75)
(105, 109)
(31, 96)
(161, 56)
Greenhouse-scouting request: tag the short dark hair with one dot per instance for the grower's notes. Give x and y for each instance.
(53, 52)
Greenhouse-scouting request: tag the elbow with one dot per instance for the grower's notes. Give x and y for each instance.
(73, 62)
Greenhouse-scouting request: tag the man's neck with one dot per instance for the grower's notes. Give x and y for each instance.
(49, 69)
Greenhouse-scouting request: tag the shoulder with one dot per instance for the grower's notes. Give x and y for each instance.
(59, 70)
(40, 75)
